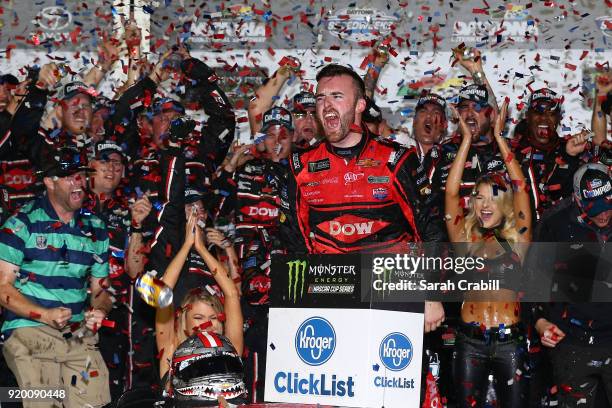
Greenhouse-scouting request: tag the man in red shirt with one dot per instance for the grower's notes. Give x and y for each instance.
(353, 191)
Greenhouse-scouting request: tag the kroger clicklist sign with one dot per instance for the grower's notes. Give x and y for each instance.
(395, 353)
(315, 343)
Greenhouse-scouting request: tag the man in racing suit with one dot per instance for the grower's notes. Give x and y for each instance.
(354, 192)
(252, 193)
(126, 259)
(548, 161)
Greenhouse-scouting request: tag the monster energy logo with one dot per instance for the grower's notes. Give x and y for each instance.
(386, 275)
(297, 272)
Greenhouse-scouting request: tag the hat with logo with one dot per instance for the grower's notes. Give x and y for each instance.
(74, 88)
(475, 93)
(303, 101)
(593, 189)
(544, 96)
(371, 113)
(65, 162)
(106, 147)
(431, 98)
(161, 105)
(277, 116)
(192, 195)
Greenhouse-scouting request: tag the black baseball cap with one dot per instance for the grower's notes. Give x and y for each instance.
(65, 162)
(106, 147)
(9, 79)
(593, 189)
(544, 96)
(371, 113)
(303, 101)
(74, 88)
(192, 195)
(277, 116)
(475, 93)
(431, 98)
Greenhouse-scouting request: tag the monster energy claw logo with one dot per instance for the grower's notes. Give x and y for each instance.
(297, 272)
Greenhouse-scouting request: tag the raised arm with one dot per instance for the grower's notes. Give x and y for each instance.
(231, 305)
(165, 336)
(522, 207)
(108, 53)
(473, 64)
(599, 122)
(370, 79)
(264, 96)
(453, 211)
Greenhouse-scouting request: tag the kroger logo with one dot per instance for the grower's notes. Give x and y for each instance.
(395, 351)
(315, 341)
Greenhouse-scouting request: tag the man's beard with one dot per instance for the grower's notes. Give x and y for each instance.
(346, 120)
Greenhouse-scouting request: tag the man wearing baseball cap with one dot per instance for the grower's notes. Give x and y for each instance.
(430, 124)
(548, 161)
(73, 112)
(124, 223)
(477, 110)
(304, 112)
(52, 254)
(578, 334)
(253, 195)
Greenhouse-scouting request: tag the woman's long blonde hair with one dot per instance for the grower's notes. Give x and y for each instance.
(193, 296)
(502, 194)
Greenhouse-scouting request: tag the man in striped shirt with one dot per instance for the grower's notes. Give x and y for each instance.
(53, 257)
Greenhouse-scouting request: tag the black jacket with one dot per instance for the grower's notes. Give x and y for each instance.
(572, 259)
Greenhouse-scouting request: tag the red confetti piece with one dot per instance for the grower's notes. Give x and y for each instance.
(93, 374)
(108, 323)
(35, 315)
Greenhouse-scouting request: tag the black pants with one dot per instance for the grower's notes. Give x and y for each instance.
(577, 370)
(255, 342)
(475, 359)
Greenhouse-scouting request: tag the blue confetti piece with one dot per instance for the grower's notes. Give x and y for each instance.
(116, 358)
(576, 322)
(566, 128)
(118, 254)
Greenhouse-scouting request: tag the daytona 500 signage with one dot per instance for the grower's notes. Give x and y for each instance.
(344, 357)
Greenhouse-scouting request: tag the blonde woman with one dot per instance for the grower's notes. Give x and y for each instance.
(199, 310)
(490, 339)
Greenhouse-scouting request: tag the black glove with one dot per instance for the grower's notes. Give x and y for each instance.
(180, 128)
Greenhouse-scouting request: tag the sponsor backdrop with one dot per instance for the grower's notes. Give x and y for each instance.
(526, 45)
(344, 357)
(327, 345)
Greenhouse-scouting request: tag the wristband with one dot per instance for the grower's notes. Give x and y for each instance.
(137, 230)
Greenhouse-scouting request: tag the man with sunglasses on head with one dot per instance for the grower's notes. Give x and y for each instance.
(548, 160)
(53, 271)
(477, 109)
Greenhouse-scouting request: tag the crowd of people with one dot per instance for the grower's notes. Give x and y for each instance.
(99, 192)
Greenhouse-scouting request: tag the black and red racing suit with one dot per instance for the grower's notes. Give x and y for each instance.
(369, 202)
(253, 193)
